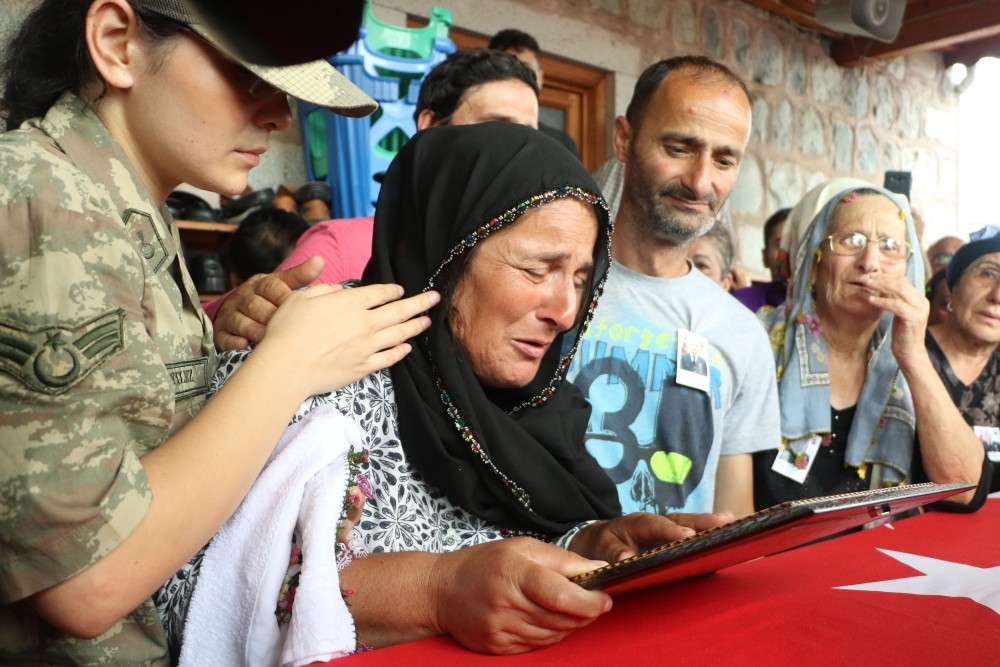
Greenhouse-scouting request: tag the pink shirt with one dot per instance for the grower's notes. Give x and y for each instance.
(345, 245)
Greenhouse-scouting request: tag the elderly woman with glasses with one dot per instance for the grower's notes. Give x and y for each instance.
(861, 404)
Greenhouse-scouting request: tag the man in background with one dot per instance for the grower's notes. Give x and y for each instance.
(940, 253)
(676, 441)
(760, 294)
(525, 48)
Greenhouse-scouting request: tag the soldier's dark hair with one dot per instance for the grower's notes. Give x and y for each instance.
(49, 56)
(651, 78)
(512, 39)
(445, 85)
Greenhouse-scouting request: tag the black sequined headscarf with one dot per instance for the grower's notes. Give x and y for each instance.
(513, 457)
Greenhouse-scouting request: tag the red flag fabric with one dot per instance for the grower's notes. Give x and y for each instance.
(925, 590)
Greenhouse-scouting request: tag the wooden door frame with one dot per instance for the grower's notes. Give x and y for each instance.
(579, 90)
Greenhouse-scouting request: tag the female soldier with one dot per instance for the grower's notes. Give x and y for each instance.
(112, 474)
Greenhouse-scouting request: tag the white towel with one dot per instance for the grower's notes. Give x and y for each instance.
(231, 619)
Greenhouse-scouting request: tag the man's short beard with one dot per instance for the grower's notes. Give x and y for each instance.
(668, 224)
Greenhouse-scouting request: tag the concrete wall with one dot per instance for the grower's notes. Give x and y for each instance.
(812, 119)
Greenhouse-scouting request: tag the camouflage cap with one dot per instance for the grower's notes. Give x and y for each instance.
(316, 82)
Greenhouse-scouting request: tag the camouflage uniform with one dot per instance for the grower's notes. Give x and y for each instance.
(104, 352)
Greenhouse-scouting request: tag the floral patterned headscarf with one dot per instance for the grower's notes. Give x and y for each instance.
(884, 427)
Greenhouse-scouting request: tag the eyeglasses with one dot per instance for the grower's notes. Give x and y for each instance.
(985, 275)
(854, 243)
(941, 258)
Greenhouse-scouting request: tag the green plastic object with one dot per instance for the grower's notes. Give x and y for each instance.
(316, 136)
(403, 42)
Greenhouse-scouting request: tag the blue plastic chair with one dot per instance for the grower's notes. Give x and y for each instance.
(387, 62)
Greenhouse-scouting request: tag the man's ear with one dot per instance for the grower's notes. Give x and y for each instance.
(622, 138)
(425, 119)
(111, 31)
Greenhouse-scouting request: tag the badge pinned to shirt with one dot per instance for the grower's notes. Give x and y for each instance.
(796, 466)
(692, 360)
(146, 237)
(990, 437)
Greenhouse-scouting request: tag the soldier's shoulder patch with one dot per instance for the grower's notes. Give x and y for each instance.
(52, 359)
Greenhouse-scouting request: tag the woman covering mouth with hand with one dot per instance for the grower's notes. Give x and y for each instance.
(861, 404)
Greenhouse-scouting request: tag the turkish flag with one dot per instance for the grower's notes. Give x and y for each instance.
(924, 590)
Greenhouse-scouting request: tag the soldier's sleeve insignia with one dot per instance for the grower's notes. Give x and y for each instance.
(146, 237)
(54, 358)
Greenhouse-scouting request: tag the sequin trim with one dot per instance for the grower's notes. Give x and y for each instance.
(463, 246)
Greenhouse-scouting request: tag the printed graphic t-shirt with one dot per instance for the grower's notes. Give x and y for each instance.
(660, 441)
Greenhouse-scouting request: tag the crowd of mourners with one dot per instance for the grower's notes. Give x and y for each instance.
(425, 422)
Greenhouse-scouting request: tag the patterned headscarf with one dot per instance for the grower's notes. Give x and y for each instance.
(883, 429)
(802, 215)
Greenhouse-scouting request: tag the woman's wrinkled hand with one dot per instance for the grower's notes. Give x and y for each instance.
(910, 310)
(624, 537)
(513, 595)
(354, 508)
